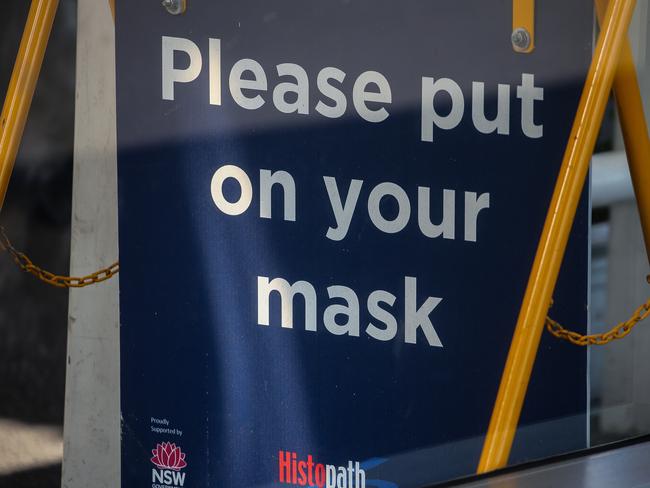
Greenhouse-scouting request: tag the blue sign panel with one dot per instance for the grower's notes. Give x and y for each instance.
(328, 214)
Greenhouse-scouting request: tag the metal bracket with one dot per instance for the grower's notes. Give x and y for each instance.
(523, 26)
(175, 7)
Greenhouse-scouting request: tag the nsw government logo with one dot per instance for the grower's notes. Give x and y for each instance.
(170, 460)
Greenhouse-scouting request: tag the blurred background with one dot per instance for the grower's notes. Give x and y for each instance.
(36, 215)
(619, 372)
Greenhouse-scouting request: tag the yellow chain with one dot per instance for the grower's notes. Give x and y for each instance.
(618, 332)
(51, 279)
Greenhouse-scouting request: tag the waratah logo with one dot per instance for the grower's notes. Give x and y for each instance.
(169, 459)
(168, 456)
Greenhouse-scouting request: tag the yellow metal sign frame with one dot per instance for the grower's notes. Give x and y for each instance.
(612, 59)
(612, 65)
(22, 85)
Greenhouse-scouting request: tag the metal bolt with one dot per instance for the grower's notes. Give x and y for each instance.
(520, 39)
(175, 7)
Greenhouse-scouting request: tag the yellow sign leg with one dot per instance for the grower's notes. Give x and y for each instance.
(22, 85)
(550, 252)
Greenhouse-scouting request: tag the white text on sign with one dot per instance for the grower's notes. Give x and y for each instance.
(371, 92)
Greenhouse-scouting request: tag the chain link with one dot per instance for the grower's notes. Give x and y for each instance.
(617, 332)
(51, 279)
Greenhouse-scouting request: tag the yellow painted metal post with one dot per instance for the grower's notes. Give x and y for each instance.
(550, 252)
(22, 85)
(635, 128)
(523, 25)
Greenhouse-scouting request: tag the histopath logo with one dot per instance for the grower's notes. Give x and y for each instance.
(309, 472)
(170, 460)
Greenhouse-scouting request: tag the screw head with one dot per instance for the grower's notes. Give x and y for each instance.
(175, 7)
(520, 39)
